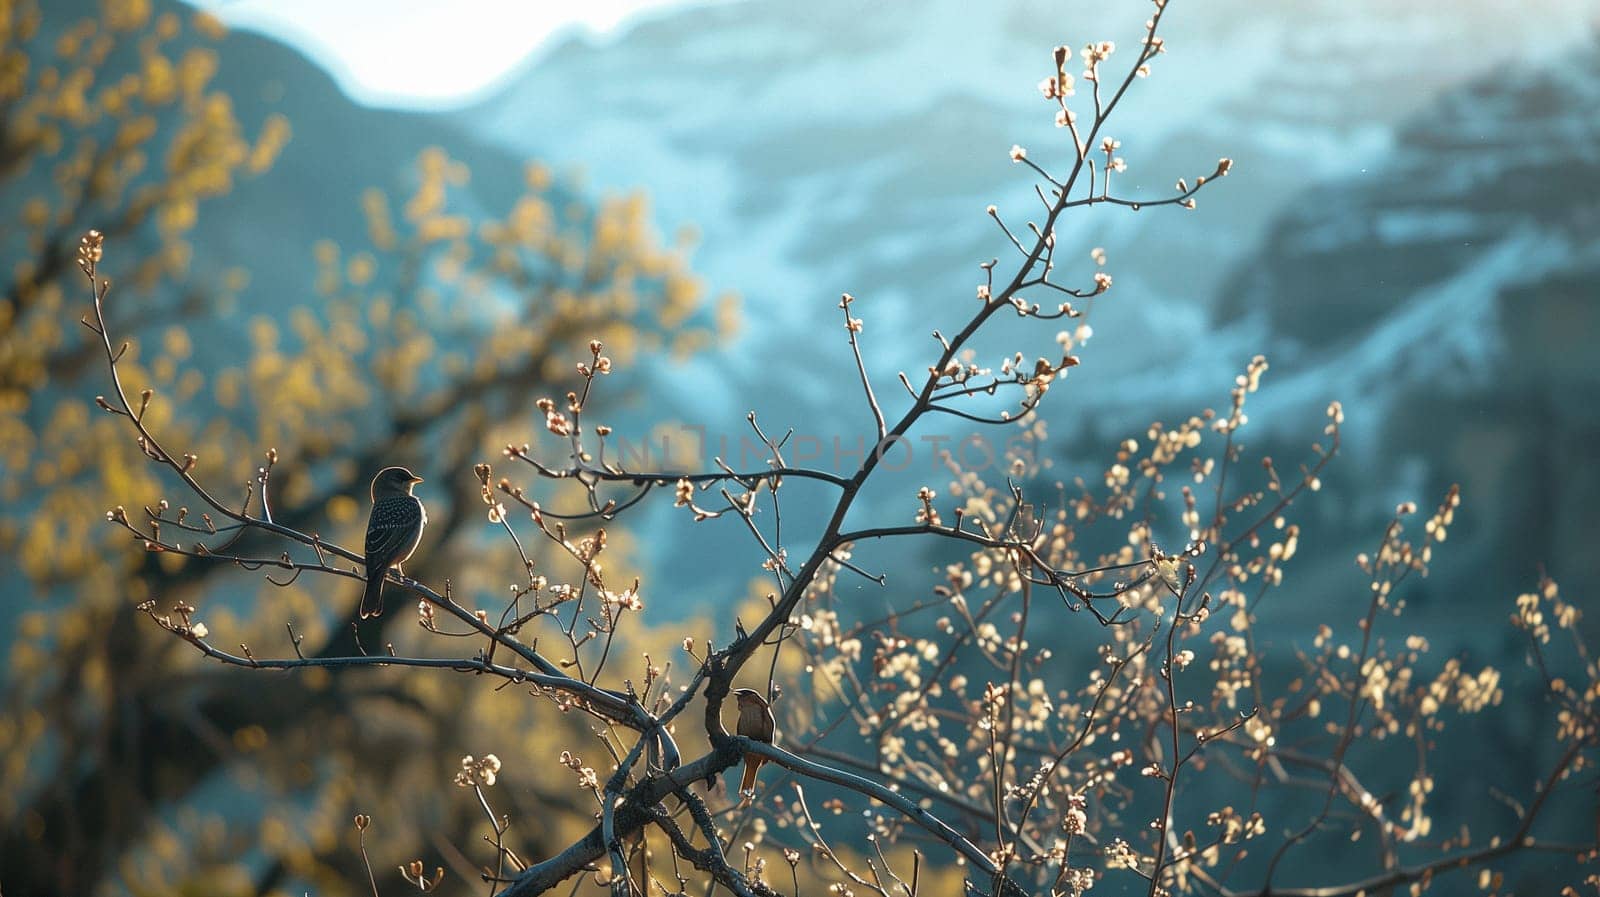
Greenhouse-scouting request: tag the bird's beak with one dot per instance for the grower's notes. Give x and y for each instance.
(417, 480)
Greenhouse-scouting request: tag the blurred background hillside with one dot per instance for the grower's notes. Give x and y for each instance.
(1412, 227)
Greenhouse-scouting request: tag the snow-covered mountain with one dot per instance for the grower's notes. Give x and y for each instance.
(1408, 216)
(1449, 292)
(840, 146)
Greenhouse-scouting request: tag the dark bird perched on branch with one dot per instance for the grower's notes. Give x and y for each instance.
(393, 531)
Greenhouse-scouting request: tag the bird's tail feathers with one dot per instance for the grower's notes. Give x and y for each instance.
(752, 764)
(372, 598)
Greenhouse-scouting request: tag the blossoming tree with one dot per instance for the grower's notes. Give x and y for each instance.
(1068, 705)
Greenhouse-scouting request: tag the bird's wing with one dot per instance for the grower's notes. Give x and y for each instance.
(393, 530)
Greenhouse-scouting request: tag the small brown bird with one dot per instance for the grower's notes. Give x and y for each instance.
(755, 722)
(393, 531)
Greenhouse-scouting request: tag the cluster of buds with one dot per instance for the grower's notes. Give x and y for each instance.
(1114, 162)
(414, 873)
(599, 364)
(590, 547)
(90, 251)
(851, 324)
(476, 771)
(684, 498)
(1044, 372)
(1076, 820)
(1234, 827)
(1056, 87)
(1077, 880)
(1059, 86)
(588, 779)
(554, 420)
(1093, 55)
(180, 622)
(627, 599)
(1119, 855)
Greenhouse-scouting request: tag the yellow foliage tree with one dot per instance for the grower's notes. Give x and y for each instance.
(414, 347)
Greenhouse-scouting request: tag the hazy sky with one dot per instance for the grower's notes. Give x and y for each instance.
(424, 53)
